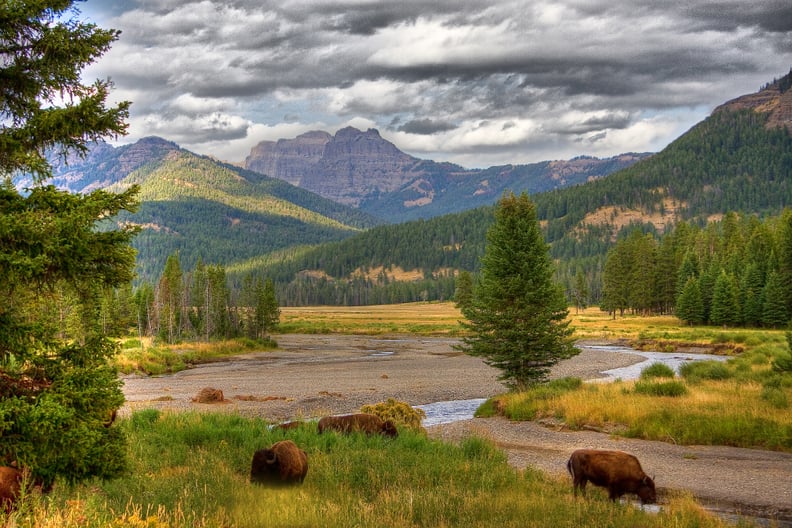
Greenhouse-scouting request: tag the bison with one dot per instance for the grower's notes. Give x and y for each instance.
(282, 463)
(366, 423)
(10, 484)
(619, 472)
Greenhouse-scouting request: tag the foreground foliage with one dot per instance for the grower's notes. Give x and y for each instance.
(191, 469)
(57, 255)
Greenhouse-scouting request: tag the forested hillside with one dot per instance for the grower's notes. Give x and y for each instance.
(730, 162)
(203, 209)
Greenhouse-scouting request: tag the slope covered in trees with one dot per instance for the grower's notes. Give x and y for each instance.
(207, 210)
(729, 162)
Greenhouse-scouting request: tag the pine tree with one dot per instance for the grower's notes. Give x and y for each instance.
(725, 308)
(169, 300)
(518, 317)
(59, 391)
(689, 306)
(463, 293)
(580, 292)
(774, 309)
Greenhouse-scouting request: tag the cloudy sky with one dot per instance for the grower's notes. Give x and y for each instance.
(474, 82)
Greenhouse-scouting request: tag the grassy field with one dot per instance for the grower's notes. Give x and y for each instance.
(191, 470)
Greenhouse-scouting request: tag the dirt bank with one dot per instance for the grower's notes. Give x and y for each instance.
(313, 375)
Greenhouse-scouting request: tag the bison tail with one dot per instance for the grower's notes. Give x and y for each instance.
(569, 467)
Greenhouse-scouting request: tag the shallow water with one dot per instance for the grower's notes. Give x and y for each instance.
(452, 411)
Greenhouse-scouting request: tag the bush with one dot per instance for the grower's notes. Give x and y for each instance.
(666, 388)
(782, 363)
(399, 412)
(776, 397)
(695, 371)
(657, 370)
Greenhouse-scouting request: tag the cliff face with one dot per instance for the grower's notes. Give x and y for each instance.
(288, 159)
(775, 99)
(361, 169)
(346, 168)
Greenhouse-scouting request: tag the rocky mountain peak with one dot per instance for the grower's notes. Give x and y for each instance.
(346, 167)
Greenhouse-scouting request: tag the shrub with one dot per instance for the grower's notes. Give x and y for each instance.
(776, 397)
(657, 370)
(666, 388)
(399, 412)
(782, 363)
(695, 371)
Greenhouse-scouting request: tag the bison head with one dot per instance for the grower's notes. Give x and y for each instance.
(389, 429)
(646, 491)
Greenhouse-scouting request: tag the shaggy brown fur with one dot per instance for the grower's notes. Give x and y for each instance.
(282, 463)
(209, 395)
(10, 484)
(366, 423)
(619, 472)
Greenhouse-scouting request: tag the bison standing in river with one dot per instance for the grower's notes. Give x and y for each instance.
(282, 463)
(619, 472)
(363, 422)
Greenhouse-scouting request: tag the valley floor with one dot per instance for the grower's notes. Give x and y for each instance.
(313, 375)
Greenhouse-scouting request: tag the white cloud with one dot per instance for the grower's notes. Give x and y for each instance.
(507, 81)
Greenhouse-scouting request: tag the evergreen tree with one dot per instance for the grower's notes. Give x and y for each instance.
(463, 293)
(518, 317)
(725, 308)
(774, 308)
(580, 293)
(58, 391)
(689, 306)
(266, 311)
(169, 300)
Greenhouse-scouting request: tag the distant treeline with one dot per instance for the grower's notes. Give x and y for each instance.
(735, 272)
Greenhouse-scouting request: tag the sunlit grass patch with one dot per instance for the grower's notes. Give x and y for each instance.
(191, 470)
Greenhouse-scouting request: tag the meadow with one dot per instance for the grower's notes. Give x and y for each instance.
(189, 469)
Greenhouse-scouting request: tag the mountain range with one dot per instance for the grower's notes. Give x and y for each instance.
(413, 214)
(363, 170)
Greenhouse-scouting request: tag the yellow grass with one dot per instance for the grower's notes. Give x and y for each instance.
(425, 318)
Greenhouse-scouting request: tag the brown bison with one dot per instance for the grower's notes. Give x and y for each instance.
(282, 463)
(619, 472)
(366, 423)
(10, 485)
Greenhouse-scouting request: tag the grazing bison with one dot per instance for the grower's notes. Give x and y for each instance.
(619, 472)
(366, 423)
(10, 484)
(282, 463)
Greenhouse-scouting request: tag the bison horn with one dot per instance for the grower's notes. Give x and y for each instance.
(270, 459)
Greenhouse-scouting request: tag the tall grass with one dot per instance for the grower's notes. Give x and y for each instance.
(147, 358)
(191, 470)
(727, 412)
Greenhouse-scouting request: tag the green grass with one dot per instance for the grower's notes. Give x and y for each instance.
(191, 470)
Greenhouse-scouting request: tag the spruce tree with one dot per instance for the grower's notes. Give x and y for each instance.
(463, 293)
(689, 306)
(57, 395)
(518, 315)
(774, 308)
(725, 309)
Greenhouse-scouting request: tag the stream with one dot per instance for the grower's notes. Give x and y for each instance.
(451, 411)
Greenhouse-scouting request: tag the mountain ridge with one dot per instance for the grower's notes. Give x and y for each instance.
(361, 169)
